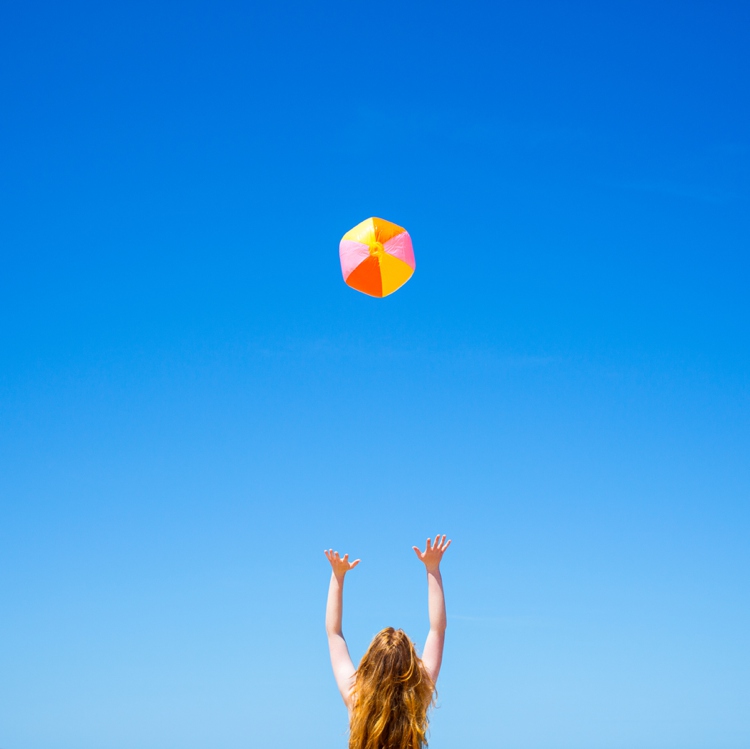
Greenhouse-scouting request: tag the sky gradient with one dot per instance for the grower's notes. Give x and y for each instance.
(193, 404)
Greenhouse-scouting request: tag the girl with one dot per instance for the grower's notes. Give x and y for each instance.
(388, 695)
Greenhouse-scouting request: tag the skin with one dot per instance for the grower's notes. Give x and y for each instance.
(432, 657)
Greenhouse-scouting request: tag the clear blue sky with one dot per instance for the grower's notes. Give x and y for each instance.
(193, 405)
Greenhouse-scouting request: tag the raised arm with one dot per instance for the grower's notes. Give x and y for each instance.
(341, 662)
(432, 656)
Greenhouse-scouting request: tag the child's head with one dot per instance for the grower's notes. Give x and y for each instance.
(392, 692)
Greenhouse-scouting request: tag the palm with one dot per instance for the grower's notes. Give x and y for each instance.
(433, 552)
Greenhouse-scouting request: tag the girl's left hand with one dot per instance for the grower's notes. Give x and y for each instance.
(339, 565)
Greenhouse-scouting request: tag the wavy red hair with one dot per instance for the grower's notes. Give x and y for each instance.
(391, 696)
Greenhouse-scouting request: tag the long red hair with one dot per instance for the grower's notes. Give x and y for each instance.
(391, 696)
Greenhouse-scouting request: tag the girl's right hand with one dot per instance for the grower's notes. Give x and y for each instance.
(433, 553)
(339, 565)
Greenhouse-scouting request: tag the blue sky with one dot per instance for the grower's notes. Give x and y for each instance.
(193, 404)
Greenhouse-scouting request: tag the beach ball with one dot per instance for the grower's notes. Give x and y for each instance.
(376, 257)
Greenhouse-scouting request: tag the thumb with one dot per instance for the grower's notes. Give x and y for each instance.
(417, 552)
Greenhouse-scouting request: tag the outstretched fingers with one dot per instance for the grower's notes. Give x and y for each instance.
(434, 550)
(339, 563)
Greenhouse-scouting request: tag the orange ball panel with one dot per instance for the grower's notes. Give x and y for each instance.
(366, 277)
